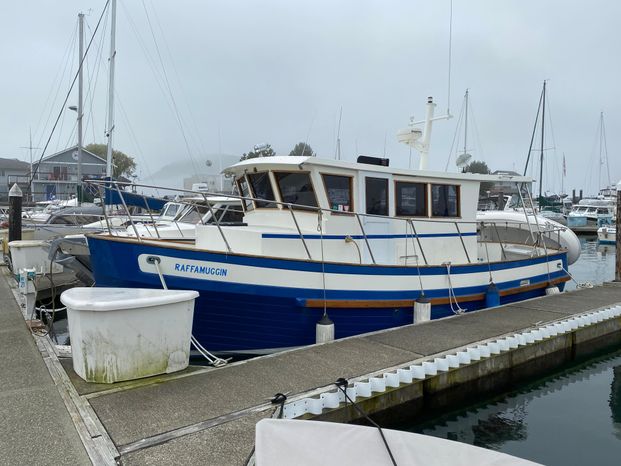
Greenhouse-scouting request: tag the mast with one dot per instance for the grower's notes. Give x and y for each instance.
(80, 108)
(111, 91)
(543, 124)
(337, 154)
(466, 122)
(424, 149)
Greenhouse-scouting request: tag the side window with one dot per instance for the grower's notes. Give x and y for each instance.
(444, 200)
(376, 191)
(242, 187)
(262, 189)
(232, 214)
(296, 188)
(411, 199)
(338, 191)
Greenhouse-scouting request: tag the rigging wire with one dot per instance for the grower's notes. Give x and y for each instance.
(62, 122)
(166, 80)
(59, 77)
(477, 138)
(448, 97)
(92, 86)
(605, 146)
(34, 172)
(455, 135)
(532, 139)
(198, 133)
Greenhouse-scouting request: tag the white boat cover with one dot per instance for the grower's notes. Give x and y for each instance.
(286, 442)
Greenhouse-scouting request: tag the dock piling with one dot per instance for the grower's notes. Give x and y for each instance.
(15, 213)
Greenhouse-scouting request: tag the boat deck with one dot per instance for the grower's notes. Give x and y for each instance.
(208, 415)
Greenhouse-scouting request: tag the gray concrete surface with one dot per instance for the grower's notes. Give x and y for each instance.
(35, 427)
(208, 416)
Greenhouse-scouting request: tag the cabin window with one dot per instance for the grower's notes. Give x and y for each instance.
(376, 192)
(242, 187)
(262, 189)
(296, 188)
(231, 214)
(444, 200)
(411, 199)
(194, 214)
(338, 191)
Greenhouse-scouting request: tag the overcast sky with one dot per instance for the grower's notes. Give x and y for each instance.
(247, 72)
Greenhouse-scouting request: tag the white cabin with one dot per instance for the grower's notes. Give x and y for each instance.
(372, 213)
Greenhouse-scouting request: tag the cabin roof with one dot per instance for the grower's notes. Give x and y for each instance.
(285, 162)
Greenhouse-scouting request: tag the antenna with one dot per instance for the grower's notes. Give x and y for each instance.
(337, 152)
(448, 96)
(463, 160)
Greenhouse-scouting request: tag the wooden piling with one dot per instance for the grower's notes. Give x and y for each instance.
(15, 213)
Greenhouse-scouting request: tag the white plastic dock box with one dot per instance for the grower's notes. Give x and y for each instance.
(128, 333)
(32, 254)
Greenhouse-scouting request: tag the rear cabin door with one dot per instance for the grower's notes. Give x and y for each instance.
(376, 190)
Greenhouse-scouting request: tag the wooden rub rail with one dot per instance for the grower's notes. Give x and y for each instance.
(389, 303)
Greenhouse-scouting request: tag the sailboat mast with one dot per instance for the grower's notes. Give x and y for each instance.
(111, 90)
(601, 132)
(543, 124)
(80, 108)
(466, 122)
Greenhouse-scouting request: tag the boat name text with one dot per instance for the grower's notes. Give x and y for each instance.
(202, 269)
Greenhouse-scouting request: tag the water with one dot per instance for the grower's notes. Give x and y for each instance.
(595, 265)
(571, 417)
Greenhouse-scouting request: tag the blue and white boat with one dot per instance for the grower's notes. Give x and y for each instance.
(358, 241)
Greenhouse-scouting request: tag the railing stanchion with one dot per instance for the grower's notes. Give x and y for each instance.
(366, 240)
(420, 246)
(463, 244)
(217, 222)
(295, 221)
(146, 205)
(128, 213)
(502, 247)
(103, 200)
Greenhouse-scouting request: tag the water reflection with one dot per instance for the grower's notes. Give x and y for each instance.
(572, 417)
(595, 265)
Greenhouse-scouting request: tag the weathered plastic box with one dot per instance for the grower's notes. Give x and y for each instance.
(128, 333)
(32, 254)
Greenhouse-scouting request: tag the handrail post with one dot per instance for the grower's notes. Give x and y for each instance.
(146, 204)
(463, 244)
(420, 246)
(526, 213)
(103, 199)
(295, 221)
(366, 240)
(502, 248)
(128, 214)
(217, 222)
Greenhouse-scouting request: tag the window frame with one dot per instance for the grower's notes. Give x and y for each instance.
(351, 193)
(426, 193)
(458, 192)
(366, 200)
(244, 204)
(282, 199)
(254, 195)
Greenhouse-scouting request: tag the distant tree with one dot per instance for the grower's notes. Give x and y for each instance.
(302, 149)
(122, 164)
(263, 150)
(478, 166)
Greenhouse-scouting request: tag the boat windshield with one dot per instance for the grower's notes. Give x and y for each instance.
(296, 188)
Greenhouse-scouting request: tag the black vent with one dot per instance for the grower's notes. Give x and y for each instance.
(373, 160)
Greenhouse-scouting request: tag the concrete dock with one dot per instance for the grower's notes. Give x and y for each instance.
(208, 415)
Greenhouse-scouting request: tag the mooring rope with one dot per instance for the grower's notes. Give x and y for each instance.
(213, 359)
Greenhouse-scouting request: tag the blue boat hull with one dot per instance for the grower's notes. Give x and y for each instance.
(249, 318)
